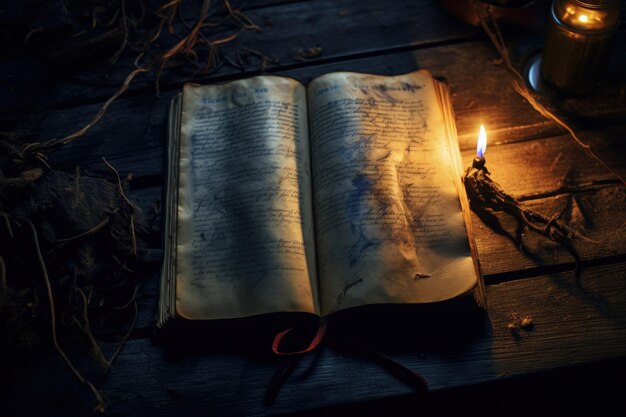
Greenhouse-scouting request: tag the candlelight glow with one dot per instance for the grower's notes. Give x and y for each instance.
(482, 142)
(578, 16)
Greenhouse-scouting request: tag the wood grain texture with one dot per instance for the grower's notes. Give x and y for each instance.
(341, 29)
(599, 216)
(132, 134)
(544, 165)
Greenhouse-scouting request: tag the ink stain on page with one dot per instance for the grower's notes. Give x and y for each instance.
(342, 293)
(362, 185)
(383, 92)
(361, 245)
(411, 87)
(362, 188)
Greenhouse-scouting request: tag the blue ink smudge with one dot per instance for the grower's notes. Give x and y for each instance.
(362, 186)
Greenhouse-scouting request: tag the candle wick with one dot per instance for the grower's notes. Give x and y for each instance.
(479, 162)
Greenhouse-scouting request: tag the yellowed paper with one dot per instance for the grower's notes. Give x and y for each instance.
(389, 225)
(245, 227)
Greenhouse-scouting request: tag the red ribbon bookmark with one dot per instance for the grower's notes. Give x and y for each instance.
(319, 335)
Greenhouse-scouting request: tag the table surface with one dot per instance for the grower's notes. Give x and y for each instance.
(566, 361)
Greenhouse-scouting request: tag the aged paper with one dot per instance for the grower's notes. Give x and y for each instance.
(245, 229)
(389, 225)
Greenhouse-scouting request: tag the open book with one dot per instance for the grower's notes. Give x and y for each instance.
(286, 198)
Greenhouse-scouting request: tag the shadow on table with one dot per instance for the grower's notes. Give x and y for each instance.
(438, 327)
(375, 334)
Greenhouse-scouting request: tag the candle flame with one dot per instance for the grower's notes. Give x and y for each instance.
(482, 142)
(583, 18)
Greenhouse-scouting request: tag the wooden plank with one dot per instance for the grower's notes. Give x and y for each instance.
(569, 319)
(491, 101)
(340, 28)
(540, 166)
(599, 216)
(541, 172)
(140, 122)
(573, 314)
(131, 127)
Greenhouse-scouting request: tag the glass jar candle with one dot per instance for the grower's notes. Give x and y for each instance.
(578, 44)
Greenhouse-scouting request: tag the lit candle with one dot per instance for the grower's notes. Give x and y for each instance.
(486, 196)
(479, 161)
(578, 44)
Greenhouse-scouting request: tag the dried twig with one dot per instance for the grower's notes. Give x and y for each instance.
(120, 189)
(186, 44)
(125, 339)
(100, 407)
(117, 54)
(121, 26)
(173, 5)
(7, 223)
(167, 13)
(241, 18)
(54, 143)
(265, 60)
(130, 301)
(86, 328)
(89, 232)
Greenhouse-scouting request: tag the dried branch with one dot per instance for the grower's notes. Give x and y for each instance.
(187, 43)
(54, 143)
(186, 46)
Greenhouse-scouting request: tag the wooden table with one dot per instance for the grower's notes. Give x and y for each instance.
(566, 362)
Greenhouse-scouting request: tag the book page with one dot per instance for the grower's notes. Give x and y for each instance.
(389, 224)
(245, 227)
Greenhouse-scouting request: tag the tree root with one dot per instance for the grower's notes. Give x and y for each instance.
(125, 339)
(100, 407)
(86, 328)
(89, 232)
(120, 189)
